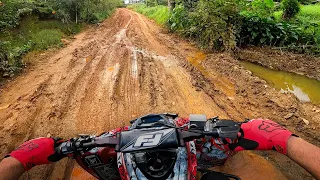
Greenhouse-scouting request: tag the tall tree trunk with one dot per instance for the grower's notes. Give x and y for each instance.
(76, 15)
(171, 4)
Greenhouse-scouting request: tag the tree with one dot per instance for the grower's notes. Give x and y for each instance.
(171, 4)
(290, 8)
(68, 10)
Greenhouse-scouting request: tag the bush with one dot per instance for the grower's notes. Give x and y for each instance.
(304, 38)
(189, 5)
(212, 24)
(84, 10)
(151, 3)
(260, 8)
(3, 59)
(11, 58)
(44, 12)
(267, 31)
(179, 19)
(97, 11)
(290, 8)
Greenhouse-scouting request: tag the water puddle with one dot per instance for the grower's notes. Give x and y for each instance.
(196, 59)
(122, 37)
(134, 63)
(222, 83)
(4, 107)
(304, 88)
(110, 69)
(89, 58)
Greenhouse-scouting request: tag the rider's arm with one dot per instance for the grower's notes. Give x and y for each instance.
(305, 154)
(27, 155)
(31, 153)
(10, 169)
(267, 135)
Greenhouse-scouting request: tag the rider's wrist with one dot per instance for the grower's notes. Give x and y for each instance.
(292, 139)
(18, 162)
(280, 141)
(15, 163)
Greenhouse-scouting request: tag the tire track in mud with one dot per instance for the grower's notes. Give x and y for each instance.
(91, 93)
(73, 86)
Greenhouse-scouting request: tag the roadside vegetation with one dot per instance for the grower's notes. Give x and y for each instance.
(160, 13)
(36, 25)
(308, 13)
(227, 24)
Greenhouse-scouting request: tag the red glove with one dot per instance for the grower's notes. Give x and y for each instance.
(36, 152)
(262, 135)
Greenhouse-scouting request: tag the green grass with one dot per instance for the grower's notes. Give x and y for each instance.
(311, 10)
(42, 34)
(308, 20)
(159, 13)
(31, 35)
(308, 13)
(47, 38)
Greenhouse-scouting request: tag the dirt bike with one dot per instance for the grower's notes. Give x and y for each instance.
(154, 147)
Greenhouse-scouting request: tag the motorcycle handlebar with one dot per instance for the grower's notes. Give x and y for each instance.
(214, 133)
(84, 144)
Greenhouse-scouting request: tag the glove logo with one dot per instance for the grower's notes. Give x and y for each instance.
(28, 146)
(279, 149)
(270, 127)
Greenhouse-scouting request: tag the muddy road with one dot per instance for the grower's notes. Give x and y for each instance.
(128, 67)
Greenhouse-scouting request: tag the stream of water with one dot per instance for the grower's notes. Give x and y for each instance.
(304, 88)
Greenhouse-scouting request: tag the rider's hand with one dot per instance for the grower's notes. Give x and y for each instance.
(262, 135)
(36, 152)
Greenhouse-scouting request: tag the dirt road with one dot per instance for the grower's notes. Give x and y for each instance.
(125, 68)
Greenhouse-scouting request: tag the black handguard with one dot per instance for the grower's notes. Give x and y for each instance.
(84, 144)
(222, 129)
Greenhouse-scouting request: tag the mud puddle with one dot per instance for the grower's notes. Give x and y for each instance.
(304, 88)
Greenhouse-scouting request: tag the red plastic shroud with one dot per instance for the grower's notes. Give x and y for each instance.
(106, 153)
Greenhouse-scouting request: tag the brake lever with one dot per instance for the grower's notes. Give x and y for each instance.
(172, 115)
(214, 119)
(245, 121)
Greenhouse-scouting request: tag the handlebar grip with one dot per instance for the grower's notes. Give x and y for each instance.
(65, 148)
(89, 145)
(213, 133)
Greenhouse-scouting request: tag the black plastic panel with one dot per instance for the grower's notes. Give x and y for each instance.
(137, 139)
